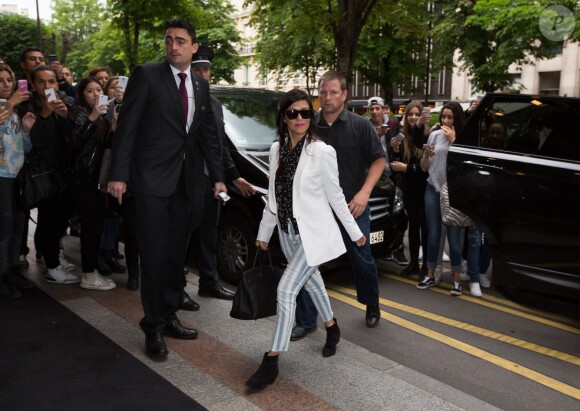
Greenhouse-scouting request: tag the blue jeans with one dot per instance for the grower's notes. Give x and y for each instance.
(478, 254)
(433, 214)
(364, 270)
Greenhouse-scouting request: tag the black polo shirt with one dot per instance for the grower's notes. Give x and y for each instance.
(357, 147)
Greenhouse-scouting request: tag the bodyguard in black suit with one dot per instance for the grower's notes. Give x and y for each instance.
(205, 235)
(166, 130)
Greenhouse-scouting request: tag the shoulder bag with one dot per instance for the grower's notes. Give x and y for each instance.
(37, 182)
(256, 296)
(449, 215)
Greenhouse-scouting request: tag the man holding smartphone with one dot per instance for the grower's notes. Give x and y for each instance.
(377, 110)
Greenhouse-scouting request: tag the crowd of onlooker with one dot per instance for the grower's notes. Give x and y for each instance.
(417, 158)
(69, 130)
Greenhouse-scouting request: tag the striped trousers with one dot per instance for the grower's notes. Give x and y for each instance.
(298, 274)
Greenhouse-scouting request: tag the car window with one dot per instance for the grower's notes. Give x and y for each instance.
(536, 127)
(250, 119)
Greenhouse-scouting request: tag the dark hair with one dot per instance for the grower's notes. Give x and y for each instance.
(181, 24)
(288, 99)
(386, 106)
(458, 115)
(96, 70)
(81, 86)
(28, 50)
(409, 149)
(41, 68)
(333, 75)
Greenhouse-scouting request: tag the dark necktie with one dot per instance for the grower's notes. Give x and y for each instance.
(183, 95)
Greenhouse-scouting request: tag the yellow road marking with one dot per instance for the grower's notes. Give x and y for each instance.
(504, 301)
(497, 307)
(469, 349)
(468, 327)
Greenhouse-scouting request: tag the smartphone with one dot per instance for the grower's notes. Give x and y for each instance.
(426, 147)
(384, 127)
(224, 196)
(102, 100)
(51, 94)
(23, 86)
(426, 112)
(3, 102)
(123, 82)
(400, 136)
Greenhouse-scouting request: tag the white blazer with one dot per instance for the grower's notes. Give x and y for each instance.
(315, 190)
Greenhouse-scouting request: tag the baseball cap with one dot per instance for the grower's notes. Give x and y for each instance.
(376, 100)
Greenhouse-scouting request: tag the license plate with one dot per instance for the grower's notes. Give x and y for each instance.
(377, 237)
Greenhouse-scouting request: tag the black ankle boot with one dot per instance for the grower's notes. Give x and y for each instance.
(133, 280)
(266, 374)
(412, 268)
(332, 338)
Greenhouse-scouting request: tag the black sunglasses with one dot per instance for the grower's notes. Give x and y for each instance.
(292, 114)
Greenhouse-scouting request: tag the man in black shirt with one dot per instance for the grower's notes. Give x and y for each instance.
(361, 161)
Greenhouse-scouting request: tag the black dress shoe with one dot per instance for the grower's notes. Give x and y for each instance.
(155, 345)
(217, 292)
(299, 333)
(176, 330)
(187, 303)
(115, 266)
(103, 268)
(373, 315)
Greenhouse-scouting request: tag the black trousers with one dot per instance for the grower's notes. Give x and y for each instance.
(89, 203)
(204, 240)
(52, 222)
(129, 216)
(162, 231)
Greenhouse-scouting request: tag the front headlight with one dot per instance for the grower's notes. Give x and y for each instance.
(398, 201)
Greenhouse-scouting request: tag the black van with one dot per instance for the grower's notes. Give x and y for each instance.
(515, 169)
(250, 118)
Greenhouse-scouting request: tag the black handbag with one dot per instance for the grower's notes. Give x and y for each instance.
(37, 182)
(256, 296)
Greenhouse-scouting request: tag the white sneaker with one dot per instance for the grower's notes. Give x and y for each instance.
(474, 290)
(97, 282)
(59, 275)
(484, 281)
(68, 266)
(437, 274)
(445, 257)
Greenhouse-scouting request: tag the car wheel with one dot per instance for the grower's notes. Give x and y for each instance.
(236, 247)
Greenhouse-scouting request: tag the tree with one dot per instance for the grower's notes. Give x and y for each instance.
(391, 51)
(491, 35)
(343, 18)
(73, 22)
(20, 33)
(285, 48)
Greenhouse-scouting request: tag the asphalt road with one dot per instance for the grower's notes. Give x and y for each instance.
(517, 354)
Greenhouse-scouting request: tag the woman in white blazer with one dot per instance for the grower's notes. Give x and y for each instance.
(303, 192)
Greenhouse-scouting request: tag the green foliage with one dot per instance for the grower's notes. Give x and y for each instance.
(391, 49)
(491, 35)
(19, 33)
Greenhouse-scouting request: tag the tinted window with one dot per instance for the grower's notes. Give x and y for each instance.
(537, 127)
(250, 117)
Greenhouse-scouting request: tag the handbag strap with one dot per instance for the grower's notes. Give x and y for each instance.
(260, 261)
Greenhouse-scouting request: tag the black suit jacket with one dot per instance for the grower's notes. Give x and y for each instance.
(151, 143)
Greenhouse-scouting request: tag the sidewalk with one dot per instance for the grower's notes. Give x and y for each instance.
(213, 368)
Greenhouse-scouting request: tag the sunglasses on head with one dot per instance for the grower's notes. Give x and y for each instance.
(292, 114)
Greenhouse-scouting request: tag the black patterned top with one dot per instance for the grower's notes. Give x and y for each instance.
(284, 180)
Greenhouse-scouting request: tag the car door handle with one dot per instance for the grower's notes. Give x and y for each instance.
(481, 166)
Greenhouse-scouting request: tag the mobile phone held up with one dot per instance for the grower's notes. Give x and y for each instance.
(400, 136)
(3, 102)
(426, 112)
(23, 86)
(50, 94)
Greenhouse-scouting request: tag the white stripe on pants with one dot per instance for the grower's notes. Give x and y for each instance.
(297, 275)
